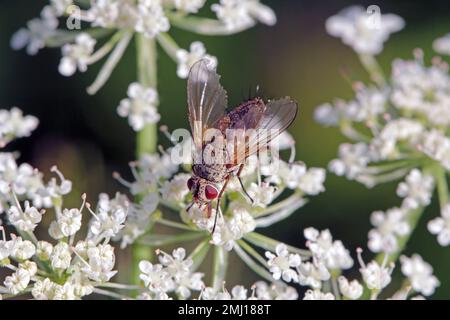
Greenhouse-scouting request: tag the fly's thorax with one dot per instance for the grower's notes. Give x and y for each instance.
(215, 173)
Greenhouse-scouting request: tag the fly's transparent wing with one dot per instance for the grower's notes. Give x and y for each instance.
(278, 116)
(207, 100)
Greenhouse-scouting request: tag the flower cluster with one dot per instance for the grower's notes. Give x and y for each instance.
(322, 270)
(150, 20)
(72, 266)
(398, 126)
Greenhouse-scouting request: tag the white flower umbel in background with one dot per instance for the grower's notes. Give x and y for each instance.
(398, 129)
(440, 226)
(120, 20)
(442, 45)
(140, 106)
(419, 274)
(77, 55)
(365, 33)
(13, 124)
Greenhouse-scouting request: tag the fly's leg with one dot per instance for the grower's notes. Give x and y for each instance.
(238, 175)
(227, 179)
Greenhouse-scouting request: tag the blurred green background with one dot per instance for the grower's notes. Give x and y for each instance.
(84, 136)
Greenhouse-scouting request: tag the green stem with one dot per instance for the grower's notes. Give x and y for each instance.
(441, 185)
(220, 266)
(270, 244)
(163, 240)
(436, 170)
(373, 68)
(147, 76)
(146, 140)
(258, 269)
(199, 254)
(204, 26)
(413, 219)
(174, 224)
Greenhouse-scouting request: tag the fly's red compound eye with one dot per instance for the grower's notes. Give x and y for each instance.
(190, 183)
(211, 192)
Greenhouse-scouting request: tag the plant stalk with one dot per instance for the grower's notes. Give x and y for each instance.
(146, 139)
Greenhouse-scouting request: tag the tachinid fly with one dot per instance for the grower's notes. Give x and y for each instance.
(223, 140)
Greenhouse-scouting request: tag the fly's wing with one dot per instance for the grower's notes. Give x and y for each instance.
(207, 100)
(277, 117)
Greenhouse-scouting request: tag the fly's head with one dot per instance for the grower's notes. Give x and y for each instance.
(202, 190)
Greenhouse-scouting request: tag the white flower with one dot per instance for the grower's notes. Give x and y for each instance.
(388, 226)
(55, 190)
(403, 129)
(76, 56)
(38, 30)
(13, 124)
(61, 256)
(437, 146)
(262, 195)
(375, 276)
(190, 6)
(25, 220)
(22, 249)
(312, 181)
(6, 247)
(110, 217)
(151, 19)
(277, 291)
(175, 190)
(292, 173)
(368, 104)
(100, 261)
(241, 223)
(18, 281)
(241, 14)
(233, 228)
(420, 274)
(179, 268)
(312, 273)
(350, 289)
(44, 289)
(332, 253)
(416, 190)
(61, 6)
(442, 45)
(186, 59)
(440, 226)
(222, 236)
(44, 250)
(30, 267)
(120, 14)
(155, 277)
(69, 222)
(326, 115)
(353, 160)
(318, 295)
(362, 32)
(280, 264)
(421, 89)
(140, 106)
